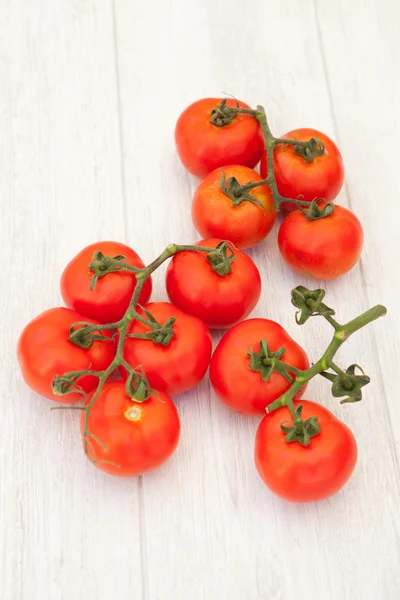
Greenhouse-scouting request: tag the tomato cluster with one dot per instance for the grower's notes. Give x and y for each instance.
(119, 358)
(324, 248)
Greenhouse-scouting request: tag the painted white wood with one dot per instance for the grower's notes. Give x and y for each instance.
(65, 528)
(90, 93)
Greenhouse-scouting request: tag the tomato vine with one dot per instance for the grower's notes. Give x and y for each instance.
(308, 302)
(84, 334)
(309, 150)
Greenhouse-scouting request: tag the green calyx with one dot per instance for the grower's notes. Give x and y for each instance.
(314, 212)
(221, 259)
(67, 383)
(102, 265)
(159, 334)
(267, 362)
(301, 431)
(138, 387)
(347, 383)
(237, 192)
(309, 150)
(222, 114)
(85, 335)
(309, 303)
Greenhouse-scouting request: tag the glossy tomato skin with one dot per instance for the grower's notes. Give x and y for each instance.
(138, 437)
(110, 298)
(321, 178)
(182, 364)
(203, 147)
(219, 301)
(44, 351)
(325, 248)
(215, 215)
(305, 473)
(240, 388)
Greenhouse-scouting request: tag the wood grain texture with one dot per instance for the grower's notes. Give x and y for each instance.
(90, 93)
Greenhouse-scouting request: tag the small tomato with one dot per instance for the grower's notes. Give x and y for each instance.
(110, 298)
(298, 179)
(215, 214)
(203, 146)
(305, 473)
(236, 384)
(128, 438)
(218, 300)
(325, 248)
(45, 351)
(179, 365)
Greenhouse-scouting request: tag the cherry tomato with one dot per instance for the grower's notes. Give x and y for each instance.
(235, 383)
(219, 301)
(45, 351)
(130, 438)
(215, 215)
(203, 146)
(296, 178)
(110, 298)
(181, 364)
(325, 248)
(305, 473)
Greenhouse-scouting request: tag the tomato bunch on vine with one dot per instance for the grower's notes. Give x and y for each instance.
(120, 359)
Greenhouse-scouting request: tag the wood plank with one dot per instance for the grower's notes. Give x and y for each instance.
(361, 55)
(67, 529)
(222, 533)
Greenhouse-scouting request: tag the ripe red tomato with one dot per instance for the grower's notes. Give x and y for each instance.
(203, 146)
(215, 215)
(325, 248)
(241, 388)
(305, 473)
(296, 178)
(219, 301)
(181, 364)
(45, 351)
(133, 437)
(110, 298)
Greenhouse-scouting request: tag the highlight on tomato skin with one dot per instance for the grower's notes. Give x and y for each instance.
(219, 301)
(235, 383)
(203, 147)
(109, 300)
(128, 438)
(326, 248)
(298, 179)
(182, 363)
(215, 215)
(305, 473)
(44, 351)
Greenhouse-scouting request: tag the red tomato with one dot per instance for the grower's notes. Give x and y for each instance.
(203, 147)
(219, 301)
(296, 178)
(181, 364)
(241, 388)
(110, 298)
(44, 351)
(133, 437)
(215, 215)
(325, 248)
(305, 473)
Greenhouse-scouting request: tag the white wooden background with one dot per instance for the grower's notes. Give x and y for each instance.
(89, 94)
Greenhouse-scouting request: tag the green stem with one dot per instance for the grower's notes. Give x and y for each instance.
(169, 251)
(326, 360)
(336, 368)
(333, 322)
(270, 144)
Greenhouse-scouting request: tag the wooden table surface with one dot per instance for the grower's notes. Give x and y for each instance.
(90, 91)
